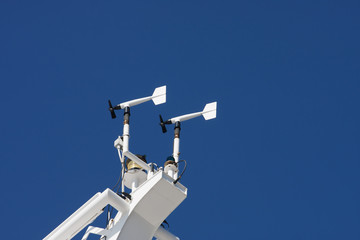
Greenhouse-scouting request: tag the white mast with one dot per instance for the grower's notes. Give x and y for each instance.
(155, 194)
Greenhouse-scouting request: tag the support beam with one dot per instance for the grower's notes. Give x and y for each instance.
(87, 214)
(163, 234)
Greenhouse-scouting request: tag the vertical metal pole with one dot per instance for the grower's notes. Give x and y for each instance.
(126, 136)
(176, 147)
(134, 184)
(126, 131)
(121, 156)
(122, 173)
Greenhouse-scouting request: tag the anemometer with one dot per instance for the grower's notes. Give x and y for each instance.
(155, 191)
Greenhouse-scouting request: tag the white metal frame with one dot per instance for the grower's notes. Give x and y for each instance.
(209, 112)
(141, 216)
(87, 213)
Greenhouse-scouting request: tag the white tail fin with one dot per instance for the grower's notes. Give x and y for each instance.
(209, 111)
(159, 95)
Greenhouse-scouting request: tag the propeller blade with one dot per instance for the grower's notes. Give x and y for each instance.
(111, 109)
(161, 119)
(162, 124)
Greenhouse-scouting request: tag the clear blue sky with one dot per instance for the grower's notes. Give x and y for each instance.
(282, 159)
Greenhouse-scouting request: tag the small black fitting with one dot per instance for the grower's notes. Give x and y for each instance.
(127, 115)
(177, 129)
(124, 195)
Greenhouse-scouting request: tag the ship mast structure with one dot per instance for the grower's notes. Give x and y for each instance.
(155, 192)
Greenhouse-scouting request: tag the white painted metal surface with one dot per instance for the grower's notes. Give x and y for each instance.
(87, 214)
(133, 178)
(162, 234)
(137, 160)
(152, 202)
(158, 97)
(209, 112)
(154, 194)
(171, 170)
(176, 153)
(139, 218)
(126, 136)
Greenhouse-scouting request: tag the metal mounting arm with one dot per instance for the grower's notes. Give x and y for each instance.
(87, 213)
(209, 112)
(126, 136)
(158, 97)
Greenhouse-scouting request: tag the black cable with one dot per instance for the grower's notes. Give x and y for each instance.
(116, 183)
(122, 180)
(181, 172)
(107, 216)
(157, 167)
(109, 208)
(165, 222)
(117, 191)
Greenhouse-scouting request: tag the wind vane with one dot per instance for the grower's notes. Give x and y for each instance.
(155, 192)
